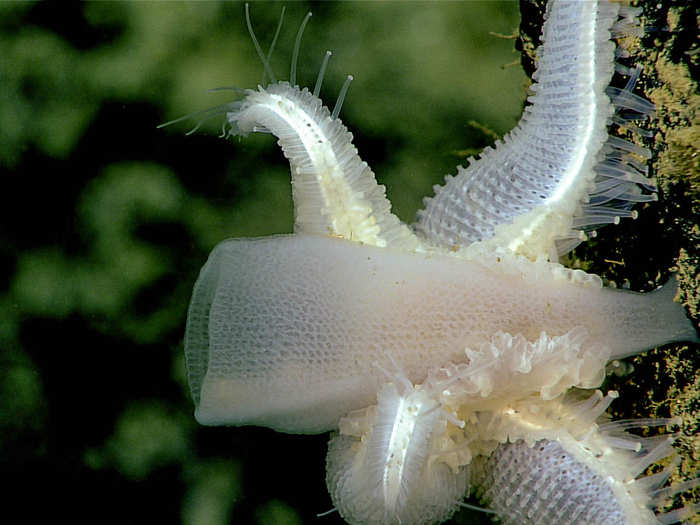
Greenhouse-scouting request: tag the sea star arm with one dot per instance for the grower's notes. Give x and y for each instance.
(557, 173)
(335, 191)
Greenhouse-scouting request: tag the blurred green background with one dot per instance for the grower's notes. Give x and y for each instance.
(107, 220)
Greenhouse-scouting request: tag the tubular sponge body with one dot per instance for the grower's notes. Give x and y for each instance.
(285, 331)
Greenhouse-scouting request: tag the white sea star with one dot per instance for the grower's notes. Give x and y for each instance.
(297, 332)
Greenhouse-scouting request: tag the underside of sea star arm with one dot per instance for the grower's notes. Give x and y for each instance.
(335, 191)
